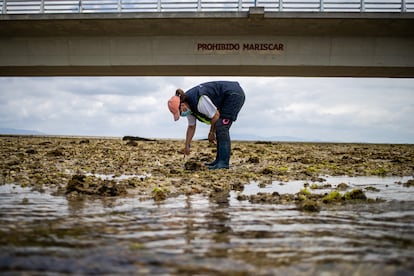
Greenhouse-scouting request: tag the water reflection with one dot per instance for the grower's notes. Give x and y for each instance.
(205, 235)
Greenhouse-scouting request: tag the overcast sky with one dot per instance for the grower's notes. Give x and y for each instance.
(321, 109)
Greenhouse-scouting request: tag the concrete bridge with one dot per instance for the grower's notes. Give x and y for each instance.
(252, 41)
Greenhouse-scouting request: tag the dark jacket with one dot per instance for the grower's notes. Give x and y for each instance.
(216, 91)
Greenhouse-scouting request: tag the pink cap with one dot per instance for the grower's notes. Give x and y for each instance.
(174, 107)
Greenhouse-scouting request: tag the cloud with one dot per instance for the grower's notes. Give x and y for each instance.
(328, 109)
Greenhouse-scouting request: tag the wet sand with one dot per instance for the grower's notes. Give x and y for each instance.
(157, 168)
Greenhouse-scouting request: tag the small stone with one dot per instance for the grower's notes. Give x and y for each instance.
(355, 194)
(310, 206)
(342, 186)
(409, 183)
(253, 160)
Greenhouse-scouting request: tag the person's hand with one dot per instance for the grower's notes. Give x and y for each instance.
(186, 150)
(212, 137)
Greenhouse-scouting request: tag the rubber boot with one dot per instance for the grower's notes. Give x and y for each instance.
(223, 144)
(212, 163)
(223, 162)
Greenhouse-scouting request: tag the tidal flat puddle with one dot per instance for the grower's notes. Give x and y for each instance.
(388, 188)
(118, 177)
(45, 234)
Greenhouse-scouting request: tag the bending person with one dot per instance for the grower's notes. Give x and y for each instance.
(216, 103)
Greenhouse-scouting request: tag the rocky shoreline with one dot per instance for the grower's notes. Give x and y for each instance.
(157, 169)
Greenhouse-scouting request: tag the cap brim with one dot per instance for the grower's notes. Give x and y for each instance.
(176, 116)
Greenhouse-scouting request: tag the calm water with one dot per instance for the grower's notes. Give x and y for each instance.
(41, 234)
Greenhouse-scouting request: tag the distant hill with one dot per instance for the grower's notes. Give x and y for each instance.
(248, 137)
(20, 131)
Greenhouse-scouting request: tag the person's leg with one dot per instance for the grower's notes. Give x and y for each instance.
(223, 144)
(232, 104)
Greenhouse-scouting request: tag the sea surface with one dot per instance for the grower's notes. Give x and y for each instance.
(43, 234)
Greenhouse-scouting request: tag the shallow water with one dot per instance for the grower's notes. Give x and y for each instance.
(44, 234)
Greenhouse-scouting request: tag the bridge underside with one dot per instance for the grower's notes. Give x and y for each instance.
(254, 43)
(210, 70)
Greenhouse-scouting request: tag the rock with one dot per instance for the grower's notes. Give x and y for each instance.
(92, 186)
(194, 166)
(268, 170)
(332, 197)
(132, 143)
(253, 160)
(55, 153)
(309, 205)
(355, 194)
(159, 194)
(409, 183)
(268, 198)
(372, 189)
(242, 197)
(75, 183)
(135, 138)
(342, 186)
(318, 179)
(111, 188)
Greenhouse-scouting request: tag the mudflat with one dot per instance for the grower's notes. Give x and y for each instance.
(158, 169)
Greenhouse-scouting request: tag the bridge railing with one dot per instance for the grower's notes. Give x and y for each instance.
(111, 6)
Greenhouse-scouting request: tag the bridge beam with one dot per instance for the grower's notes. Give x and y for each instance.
(254, 43)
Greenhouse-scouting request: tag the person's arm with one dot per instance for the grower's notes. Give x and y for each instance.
(212, 133)
(188, 138)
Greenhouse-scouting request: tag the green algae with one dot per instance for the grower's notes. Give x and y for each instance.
(159, 194)
(333, 196)
(304, 191)
(353, 195)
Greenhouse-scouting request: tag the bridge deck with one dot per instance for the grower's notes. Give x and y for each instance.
(158, 44)
(254, 22)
